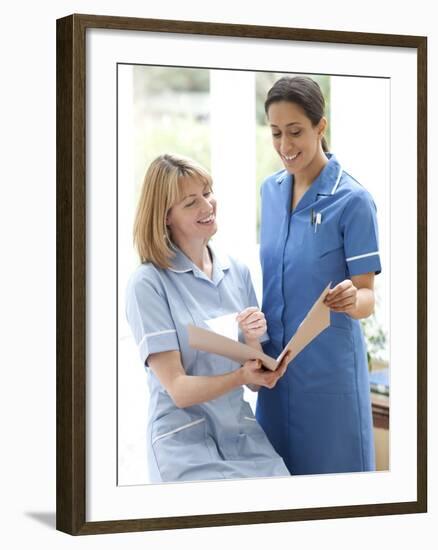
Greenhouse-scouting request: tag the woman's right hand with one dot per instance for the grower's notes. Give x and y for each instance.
(254, 374)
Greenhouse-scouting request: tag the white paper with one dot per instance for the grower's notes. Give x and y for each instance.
(316, 320)
(226, 325)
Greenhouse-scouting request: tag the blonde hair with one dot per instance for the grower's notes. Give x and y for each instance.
(162, 188)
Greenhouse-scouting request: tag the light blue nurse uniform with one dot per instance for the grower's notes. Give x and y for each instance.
(318, 416)
(217, 439)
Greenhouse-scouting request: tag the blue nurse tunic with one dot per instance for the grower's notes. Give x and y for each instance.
(318, 416)
(213, 440)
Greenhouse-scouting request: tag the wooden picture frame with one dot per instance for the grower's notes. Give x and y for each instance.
(72, 268)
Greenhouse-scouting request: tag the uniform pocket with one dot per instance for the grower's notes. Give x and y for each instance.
(330, 248)
(248, 421)
(181, 447)
(327, 243)
(327, 365)
(177, 429)
(253, 442)
(328, 256)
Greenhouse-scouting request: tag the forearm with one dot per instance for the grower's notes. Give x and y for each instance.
(364, 304)
(254, 343)
(187, 390)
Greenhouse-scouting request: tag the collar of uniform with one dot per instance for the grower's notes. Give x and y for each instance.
(221, 263)
(182, 264)
(327, 181)
(325, 184)
(281, 176)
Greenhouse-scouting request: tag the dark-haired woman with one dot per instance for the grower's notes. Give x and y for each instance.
(318, 226)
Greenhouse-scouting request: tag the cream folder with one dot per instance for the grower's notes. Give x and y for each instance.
(316, 320)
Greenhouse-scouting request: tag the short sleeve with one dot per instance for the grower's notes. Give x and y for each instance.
(252, 298)
(361, 239)
(148, 315)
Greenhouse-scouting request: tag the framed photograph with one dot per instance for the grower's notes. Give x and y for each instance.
(132, 90)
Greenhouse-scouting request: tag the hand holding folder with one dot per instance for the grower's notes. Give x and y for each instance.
(316, 320)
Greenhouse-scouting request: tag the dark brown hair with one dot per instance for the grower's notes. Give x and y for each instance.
(303, 91)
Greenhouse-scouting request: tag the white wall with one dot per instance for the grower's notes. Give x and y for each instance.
(27, 297)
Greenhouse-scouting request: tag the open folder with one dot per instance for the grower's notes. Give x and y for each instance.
(316, 320)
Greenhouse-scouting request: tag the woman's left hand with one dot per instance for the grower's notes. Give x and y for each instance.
(342, 298)
(252, 322)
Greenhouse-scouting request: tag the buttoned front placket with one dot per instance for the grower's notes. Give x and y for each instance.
(272, 249)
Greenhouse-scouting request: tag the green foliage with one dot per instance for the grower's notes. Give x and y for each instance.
(375, 338)
(267, 162)
(153, 80)
(181, 135)
(171, 115)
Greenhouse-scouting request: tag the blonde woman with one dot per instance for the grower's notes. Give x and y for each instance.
(199, 425)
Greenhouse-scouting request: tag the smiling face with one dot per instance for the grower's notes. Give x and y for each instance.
(295, 139)
(193, 217)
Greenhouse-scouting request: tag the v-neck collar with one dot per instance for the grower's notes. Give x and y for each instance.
(325, 183)
(182, 264)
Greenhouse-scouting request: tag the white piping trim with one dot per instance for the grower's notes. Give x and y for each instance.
(249, 418)
(189, 425)
(362, 256)
(178, 271)
(338, 179)
(280, 178)
(155, 334)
